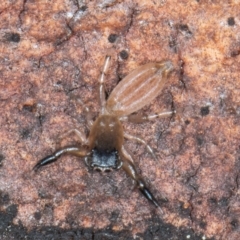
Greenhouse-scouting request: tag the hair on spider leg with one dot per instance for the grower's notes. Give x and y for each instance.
(103, 149)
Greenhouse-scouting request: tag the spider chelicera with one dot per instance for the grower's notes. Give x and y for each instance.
(103, 149)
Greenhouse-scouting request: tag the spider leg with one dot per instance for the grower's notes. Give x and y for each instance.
(160, 115)
(141, 118)
(129, 168)
(131, 137)
(101, 83)
(87, 111)
(77, 132)
(79, 152)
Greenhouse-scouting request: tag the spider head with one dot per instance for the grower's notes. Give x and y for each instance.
(104, 160)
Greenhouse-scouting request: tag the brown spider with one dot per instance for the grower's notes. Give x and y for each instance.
(103, 149)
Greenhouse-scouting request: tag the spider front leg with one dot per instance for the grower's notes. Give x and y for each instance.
(79, 152)
(130, 169)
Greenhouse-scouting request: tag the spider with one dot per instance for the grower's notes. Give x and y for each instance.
(103, 149)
